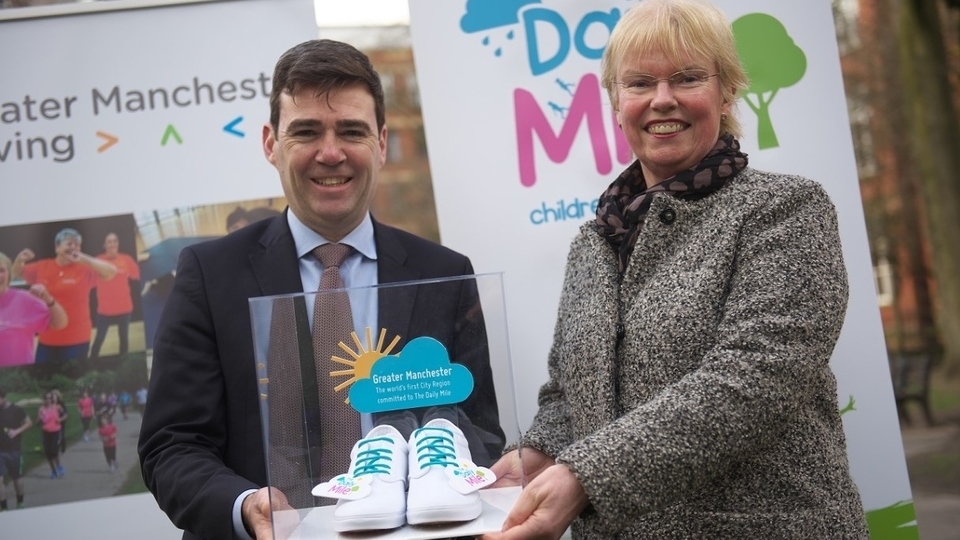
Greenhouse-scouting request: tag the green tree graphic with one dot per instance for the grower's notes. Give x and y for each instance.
(772, 61)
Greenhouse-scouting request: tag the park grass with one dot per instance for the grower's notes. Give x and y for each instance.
(134, 482)
(944, 394)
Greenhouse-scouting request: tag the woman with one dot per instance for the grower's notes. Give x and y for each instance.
(24, 314)
(62, 405)
(114, 302)
(50, 416)
(690, 394)
(85, 405)
(70, 276)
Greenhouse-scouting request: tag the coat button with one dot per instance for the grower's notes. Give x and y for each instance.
(668, 216)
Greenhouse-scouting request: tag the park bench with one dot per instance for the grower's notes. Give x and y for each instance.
(910, 373)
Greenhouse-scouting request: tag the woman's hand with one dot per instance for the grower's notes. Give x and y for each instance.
(546, 506)
(26, 255)
(510, 472)
(40, 291)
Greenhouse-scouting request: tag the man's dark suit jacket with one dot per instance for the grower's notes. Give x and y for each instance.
(201, 443)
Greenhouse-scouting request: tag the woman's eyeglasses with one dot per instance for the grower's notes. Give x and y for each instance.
(685, 81)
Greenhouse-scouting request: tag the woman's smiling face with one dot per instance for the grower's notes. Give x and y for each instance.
(669, 129)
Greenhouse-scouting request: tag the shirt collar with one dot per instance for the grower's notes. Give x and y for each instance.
(306, 239)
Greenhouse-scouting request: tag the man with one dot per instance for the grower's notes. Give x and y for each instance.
(14, 421)
(241, 217)
(141, 399)
(201, 443)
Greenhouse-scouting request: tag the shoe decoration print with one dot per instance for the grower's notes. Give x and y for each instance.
(419, 375)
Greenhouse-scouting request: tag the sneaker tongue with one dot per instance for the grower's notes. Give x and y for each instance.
(442, 423)
(383, 431)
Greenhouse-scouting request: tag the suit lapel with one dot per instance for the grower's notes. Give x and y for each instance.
(274, 261)
(394, 304)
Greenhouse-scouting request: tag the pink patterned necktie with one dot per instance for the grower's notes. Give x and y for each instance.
(332, 324)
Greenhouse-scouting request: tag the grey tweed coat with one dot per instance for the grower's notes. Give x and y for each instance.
(716, 416)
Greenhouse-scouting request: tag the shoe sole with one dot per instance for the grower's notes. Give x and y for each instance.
(368, 523)
(435, 514)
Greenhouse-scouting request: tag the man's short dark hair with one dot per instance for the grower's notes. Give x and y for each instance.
(238, 214)
(325, 66)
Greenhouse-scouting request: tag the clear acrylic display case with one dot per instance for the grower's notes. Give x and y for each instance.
(419, 351)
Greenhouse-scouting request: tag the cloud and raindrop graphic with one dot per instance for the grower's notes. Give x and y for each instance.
(490, 15)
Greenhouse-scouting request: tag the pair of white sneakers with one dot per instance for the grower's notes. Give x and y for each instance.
(435, 462)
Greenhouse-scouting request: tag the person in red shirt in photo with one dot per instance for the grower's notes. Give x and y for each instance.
(108, 434)
(69, 277)
(114, 302)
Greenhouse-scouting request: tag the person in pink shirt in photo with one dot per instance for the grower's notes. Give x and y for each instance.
(23, 315)
(85, 404)
(49, 416)
(114, 302)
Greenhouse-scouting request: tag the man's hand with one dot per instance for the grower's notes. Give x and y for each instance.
(545, 508)
(510, 472)
(256, 513)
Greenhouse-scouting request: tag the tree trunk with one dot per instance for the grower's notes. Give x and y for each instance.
(935, 139)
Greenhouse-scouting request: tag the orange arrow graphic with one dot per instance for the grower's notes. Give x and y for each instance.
(110, 141)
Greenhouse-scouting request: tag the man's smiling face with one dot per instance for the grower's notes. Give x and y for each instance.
(328, 152)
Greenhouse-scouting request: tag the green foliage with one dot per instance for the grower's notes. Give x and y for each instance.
(132, 373)
(891, 523)
(97, 381)
(60, 382)
(18, 380)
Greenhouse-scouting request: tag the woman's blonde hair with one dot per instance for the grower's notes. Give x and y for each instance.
(678, 28)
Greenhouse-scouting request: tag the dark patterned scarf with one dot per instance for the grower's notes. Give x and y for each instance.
(623, 206)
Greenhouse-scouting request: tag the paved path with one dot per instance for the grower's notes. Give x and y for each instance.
(938, 514)
(88, 476)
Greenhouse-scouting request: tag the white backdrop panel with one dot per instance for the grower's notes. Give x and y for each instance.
(506, 218)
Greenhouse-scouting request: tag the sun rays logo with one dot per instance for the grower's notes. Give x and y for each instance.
(420, 375)
(363, 359)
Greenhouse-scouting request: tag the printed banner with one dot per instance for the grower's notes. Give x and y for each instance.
(133, 130)
(522, 141)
